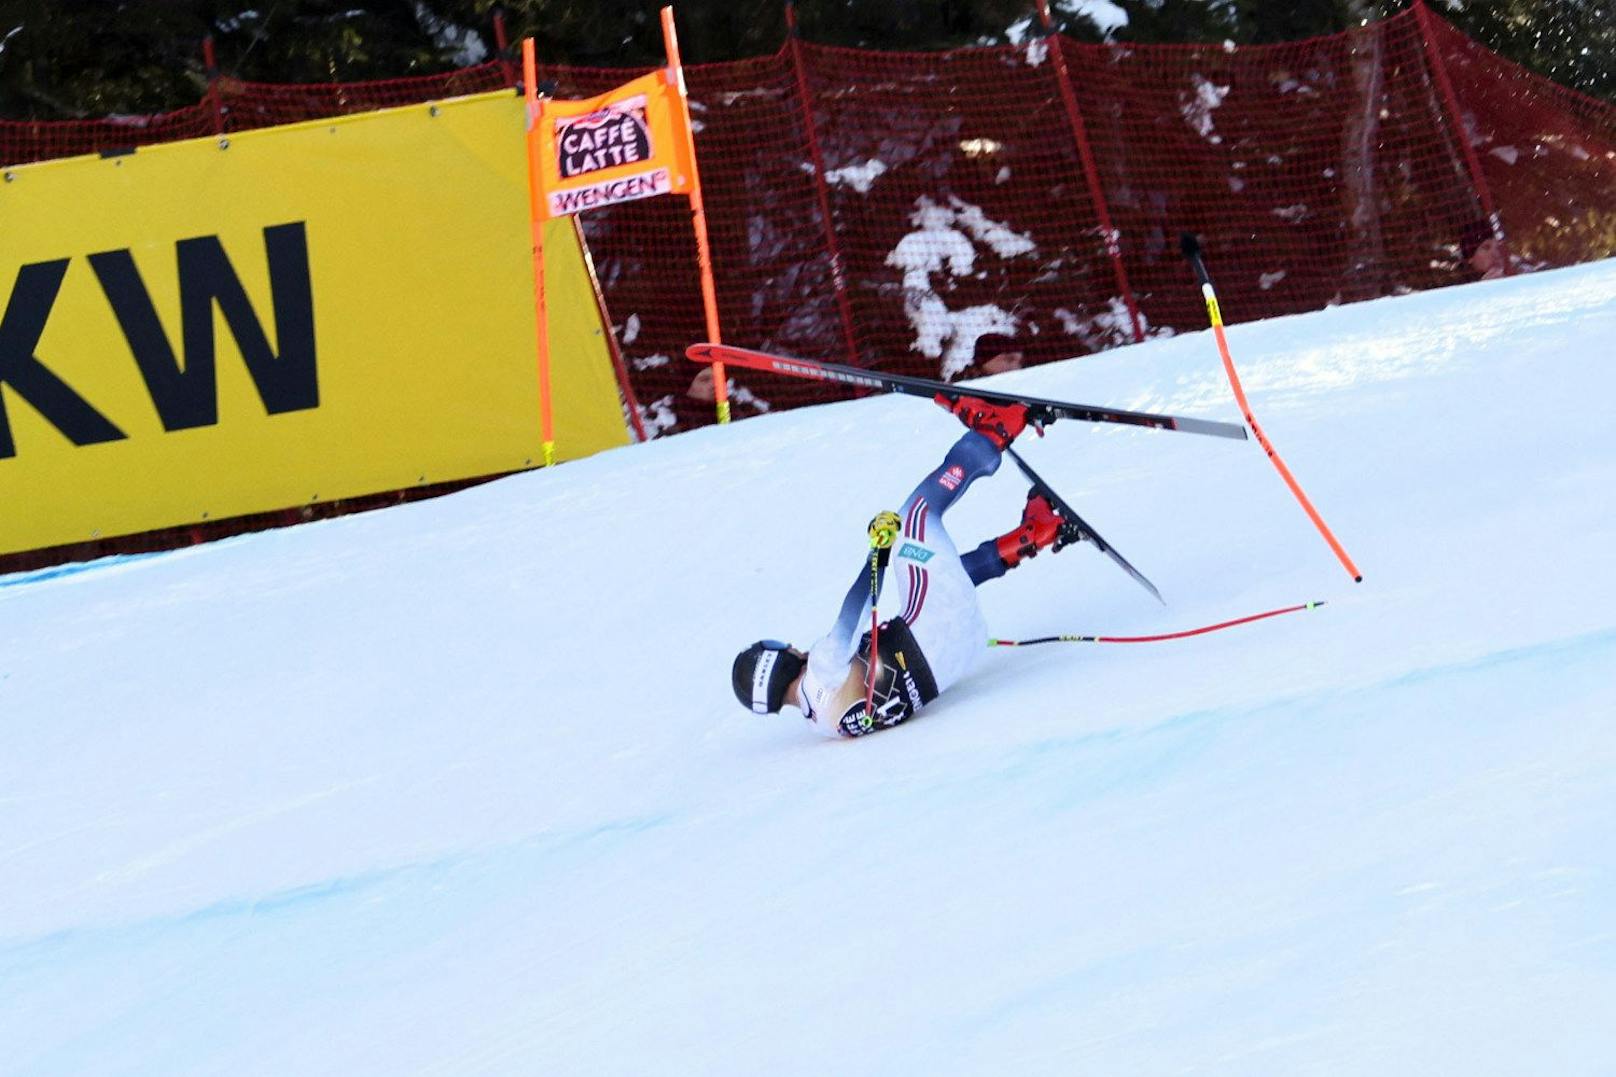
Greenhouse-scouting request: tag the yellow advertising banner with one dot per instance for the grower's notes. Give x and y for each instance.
(632, 142)
(213, 328)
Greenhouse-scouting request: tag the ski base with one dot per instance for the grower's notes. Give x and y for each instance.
(926, 387)
(1067, 512)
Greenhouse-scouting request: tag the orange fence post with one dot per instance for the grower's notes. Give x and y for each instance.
(535, 111)
(698, 217)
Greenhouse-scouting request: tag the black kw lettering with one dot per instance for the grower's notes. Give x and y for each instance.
(188, 397)
(184, 396)
(32, 297)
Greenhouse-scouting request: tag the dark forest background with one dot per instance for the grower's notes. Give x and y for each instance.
(67, 59)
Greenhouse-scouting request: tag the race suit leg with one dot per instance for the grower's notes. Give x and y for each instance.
(984, 563)
(940, 603)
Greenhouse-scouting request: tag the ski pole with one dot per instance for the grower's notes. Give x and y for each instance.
(1203, 630)
(883, 532)
(1192, 250)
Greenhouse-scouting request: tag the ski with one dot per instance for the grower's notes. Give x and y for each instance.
(926, 387)
(1089, 534)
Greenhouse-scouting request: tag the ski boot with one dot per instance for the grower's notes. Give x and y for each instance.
(999, 423)
(1041, 527)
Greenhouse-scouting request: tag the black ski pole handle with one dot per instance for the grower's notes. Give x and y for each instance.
(1191, 246)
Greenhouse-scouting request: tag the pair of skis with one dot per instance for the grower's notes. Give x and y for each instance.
(856, 378)
(1038, 408)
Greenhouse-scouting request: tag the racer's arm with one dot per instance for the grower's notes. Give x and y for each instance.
(840, 644)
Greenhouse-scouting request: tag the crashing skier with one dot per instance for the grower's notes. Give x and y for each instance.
(937, 638)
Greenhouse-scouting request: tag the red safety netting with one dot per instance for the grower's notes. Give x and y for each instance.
(897, 209)
(23, 142)
(1547, 154)
(1316, 172)
(924, 212)
(240, 106)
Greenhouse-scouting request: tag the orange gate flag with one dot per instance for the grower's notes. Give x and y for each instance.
(631, 142)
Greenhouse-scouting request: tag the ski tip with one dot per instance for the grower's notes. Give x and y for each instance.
(1190, 245)
(700, 353)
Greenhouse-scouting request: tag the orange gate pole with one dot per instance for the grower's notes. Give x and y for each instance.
(698, 217)
(1192, 250)
(535, 112)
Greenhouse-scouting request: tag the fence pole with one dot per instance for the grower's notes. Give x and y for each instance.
(631, 403)
(838, 272)
(502, 47)
(210, 64)
(1074, 116)
(1478, 181)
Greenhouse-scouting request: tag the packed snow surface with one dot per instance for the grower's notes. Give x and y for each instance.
(460, 787)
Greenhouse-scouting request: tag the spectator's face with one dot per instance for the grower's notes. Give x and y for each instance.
(1487, 257)
(701, 386)
(1003, 362)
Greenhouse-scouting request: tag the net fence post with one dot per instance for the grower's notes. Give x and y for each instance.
(1455, 118)
(1091, 173)
(838, 269)
(502, 47)
(210, 64)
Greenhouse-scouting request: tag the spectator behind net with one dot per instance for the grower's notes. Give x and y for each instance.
(995, 354)
(1482, 251)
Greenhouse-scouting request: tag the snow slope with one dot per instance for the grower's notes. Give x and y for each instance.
(460, 787)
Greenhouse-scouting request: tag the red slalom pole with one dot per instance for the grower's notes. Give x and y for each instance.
(1192, 250)
(1203, 630)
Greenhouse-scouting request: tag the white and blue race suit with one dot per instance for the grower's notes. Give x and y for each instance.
(940, 633)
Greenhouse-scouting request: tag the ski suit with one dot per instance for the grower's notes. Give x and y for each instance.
(939, 635)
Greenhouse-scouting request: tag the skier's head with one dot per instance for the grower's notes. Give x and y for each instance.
(763, 672)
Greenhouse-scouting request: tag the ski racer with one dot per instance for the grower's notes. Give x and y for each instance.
(937, 638)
